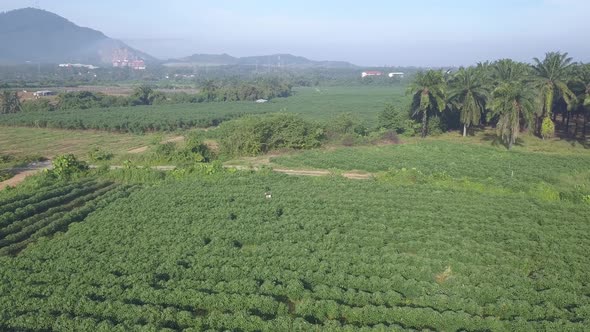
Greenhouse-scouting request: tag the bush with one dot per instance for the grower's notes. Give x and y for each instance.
(66, 166)
(4, 175)
(97, 154)
(195, 150)
(253, 135)
(346, 124)
(393, 119)
(165, 151)
(39, 105)
(435, 126)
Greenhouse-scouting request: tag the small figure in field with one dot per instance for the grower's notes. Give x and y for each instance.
(268, 195)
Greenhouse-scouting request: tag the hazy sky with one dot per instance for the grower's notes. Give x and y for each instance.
(380, 32)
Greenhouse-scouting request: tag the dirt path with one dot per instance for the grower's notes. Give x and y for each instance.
(39, 167)
(143, 149)
(138, 150)
(309, 172)
(23, 173)
(173, 140)
(303, 172)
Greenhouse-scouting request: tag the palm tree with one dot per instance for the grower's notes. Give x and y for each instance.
(468, 93)
(428, 95)
(507, 70)
(512, 102)
(552, 76)
(9, 102)
(583, 79)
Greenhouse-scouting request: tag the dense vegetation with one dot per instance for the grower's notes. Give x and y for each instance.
(136, 119)
(510, 95)
(563, 176)
(322, 254)
(253, 135)
(318, 104)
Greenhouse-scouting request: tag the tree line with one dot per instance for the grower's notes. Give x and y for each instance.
(210, 91)
(511, 95)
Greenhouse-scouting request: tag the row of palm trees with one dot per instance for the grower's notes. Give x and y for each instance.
(511, 94)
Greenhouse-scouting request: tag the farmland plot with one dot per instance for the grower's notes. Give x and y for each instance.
(321, 254)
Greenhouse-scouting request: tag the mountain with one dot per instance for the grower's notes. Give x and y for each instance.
(36, 35)
(282, 60)
(209, 59)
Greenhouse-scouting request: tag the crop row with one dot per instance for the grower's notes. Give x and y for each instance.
(20, 208)
(59, 221)
(21, 230)
(136, 119)
(321, 254)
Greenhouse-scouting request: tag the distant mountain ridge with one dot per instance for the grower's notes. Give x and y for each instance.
(35, 35)
(275, 60)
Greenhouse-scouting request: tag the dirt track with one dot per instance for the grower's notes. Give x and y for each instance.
(23, 173)
(305, 172)
(34, 169)
(143, 149)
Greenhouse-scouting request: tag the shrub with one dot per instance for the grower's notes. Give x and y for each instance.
(393, 119)
(195, 150)
(98, 154)
(39, 105)
(68, 165)
(165, 151)
(253, 135)
(435, 126)
(4, 175)
(346, 124)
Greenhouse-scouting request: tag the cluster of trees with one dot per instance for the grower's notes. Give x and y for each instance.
(252, 135)
(512, 95)
(147, 95)
(267, 88)
(193, 151)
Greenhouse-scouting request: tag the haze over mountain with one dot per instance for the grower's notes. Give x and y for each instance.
(34, 35)
(276, 60)
(377, 32)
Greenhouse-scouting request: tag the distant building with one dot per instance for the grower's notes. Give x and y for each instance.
(371, 73)
(396, 75)
(122, 58)
(43, 93)
(77, 65)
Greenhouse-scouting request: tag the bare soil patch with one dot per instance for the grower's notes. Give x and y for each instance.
(143, 149)
(138, 150)
(173, 140)
(18, 178)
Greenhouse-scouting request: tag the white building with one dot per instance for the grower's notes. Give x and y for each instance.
(396, 75)
(371, 73)
(44, 93)
(77, 65)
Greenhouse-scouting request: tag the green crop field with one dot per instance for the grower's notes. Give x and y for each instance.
(212, 253)
(316, 104)
(23, 142)
(519, 169)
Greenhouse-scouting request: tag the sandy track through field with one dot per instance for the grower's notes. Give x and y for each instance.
(143, 149)
(20, 177)
(309, 172)
(23, 173)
